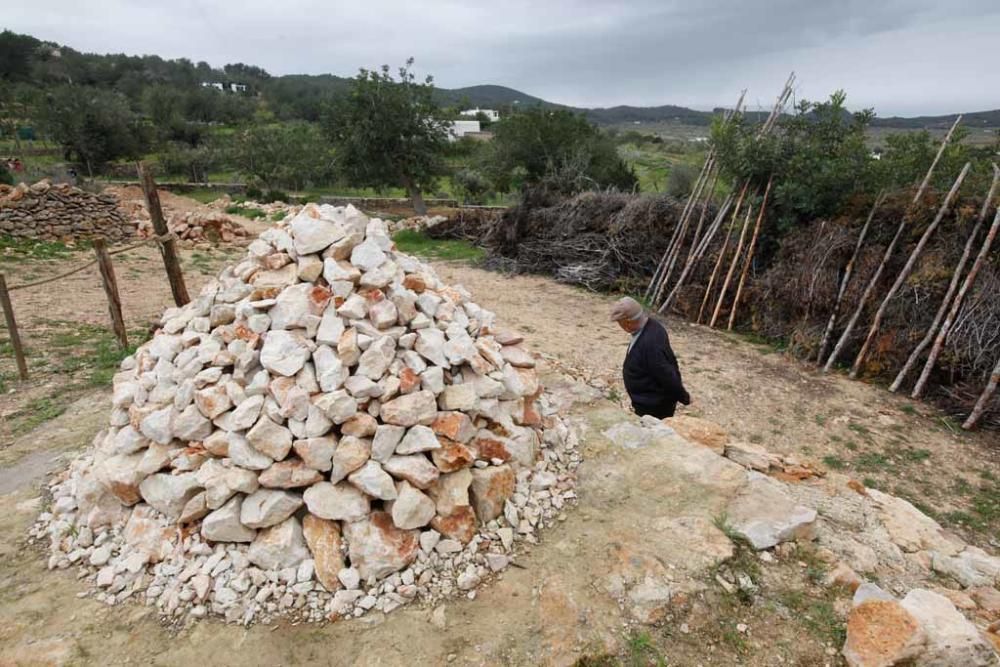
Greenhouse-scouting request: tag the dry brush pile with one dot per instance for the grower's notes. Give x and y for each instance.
(325, 430)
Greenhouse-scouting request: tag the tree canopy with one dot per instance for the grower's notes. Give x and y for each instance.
(389, 132)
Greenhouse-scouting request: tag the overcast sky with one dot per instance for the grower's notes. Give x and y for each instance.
(903, 57)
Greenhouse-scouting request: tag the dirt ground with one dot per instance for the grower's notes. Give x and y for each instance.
(759, 395)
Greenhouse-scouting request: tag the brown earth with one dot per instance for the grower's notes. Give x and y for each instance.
(554, 611)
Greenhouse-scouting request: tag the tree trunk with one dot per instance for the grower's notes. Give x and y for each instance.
(991, 387)
(952, 286)
(749, 259)
(416, 197)
(907, 268)
(845, 281)
(942, 336)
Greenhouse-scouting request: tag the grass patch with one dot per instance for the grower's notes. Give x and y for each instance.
(16, 249)
(915, 455)
(278, 216)
(816, 615)
(420, 244)
(834, 462)
(871, 461)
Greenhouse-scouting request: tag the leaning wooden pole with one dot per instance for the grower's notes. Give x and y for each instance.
(956, 305)
(110, 283)
(930, 172)
(168, 248)
(845, 281)
(696, 239)
(678, 244)
(15, 337)
(907, 269)
(838, 348)
(749, 259)
(984, 399)
(732, 267)
(722, 253)
(956, 278)
(702, 249)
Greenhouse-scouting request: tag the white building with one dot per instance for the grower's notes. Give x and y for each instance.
(218, 85)
(491, 114)
(238, 87)
(459, 128)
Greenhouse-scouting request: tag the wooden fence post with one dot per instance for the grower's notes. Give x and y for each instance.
(15, 337)
(167, 246)
(111, 291)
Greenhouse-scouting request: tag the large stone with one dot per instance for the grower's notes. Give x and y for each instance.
(351, 454)
(267, 507)
(411, 509)
(418, 439)
(212, 401)
(338, 502)
(750, 456)
(766, 516)
(331, 372)
(374, 481)
(313, 233)
(223, 525)
(490, 488)
(245, 456)
(323, 538)
(367, 255)
(452, 456)
(271, 439)
(376, 359)
(451, 492)
(121, 475)
(420, 407)
(971, 567)
(147, 535)
(951, 638)
(158, 426)
(317, 453)
(284, 353)
(191, 425)
(881, 633)
(700, 431)
(289, 474)
(911, 529)
(455, 426)
(279, 547)
(246, 413)
(377, 548)
(460, 525)
(221, 482)
(430, 345)
(459, 397)
(169, 493)
(517, 356)
(415, 469)
(387, 438)
(338, 406)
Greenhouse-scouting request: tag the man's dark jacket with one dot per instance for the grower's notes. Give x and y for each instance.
(651, 375)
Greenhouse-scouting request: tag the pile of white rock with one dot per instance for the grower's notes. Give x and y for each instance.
(325, 430)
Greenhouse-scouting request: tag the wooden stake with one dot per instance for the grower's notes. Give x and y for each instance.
(952, 287)
(15, 337)
(732, 267)
(696, 239)
(907, 268)
(984, 398)
(956, 305)
(700, 253)
(168, 248)
(749, 259)
(111, 291)
(930, 172)
(722, 254)
(845, 280)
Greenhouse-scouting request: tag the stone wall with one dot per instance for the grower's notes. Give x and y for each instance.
(60, 212)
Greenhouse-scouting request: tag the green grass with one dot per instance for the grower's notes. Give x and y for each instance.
(278, 216)
(16, 249)
(420, 244)
(816, 615)
(834, 462)
(871, 461)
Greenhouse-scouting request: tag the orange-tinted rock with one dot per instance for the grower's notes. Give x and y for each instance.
(289, 474)
(530, 415)
(409, 380)
(361, 425)
(455, 426)
(319, 297)
(461, 525)
(700, 431)
(415, 282)
(857, 487)
(490, 488)
(491, 448)
(881, 632)
(145, 534)
(323, 538)
(452, 456)
(377, 548)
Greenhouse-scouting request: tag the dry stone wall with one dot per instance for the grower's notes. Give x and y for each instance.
(60, 212)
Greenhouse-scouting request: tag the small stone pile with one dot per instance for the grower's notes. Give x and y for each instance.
(417, 223)
(325, 430)
(60, 213)
(196, 227)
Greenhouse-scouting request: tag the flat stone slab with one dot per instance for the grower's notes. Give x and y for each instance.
(766, 516)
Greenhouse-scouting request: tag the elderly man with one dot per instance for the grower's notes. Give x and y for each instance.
(651, 375)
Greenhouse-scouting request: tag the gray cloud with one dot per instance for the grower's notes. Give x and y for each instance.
(899, 56)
